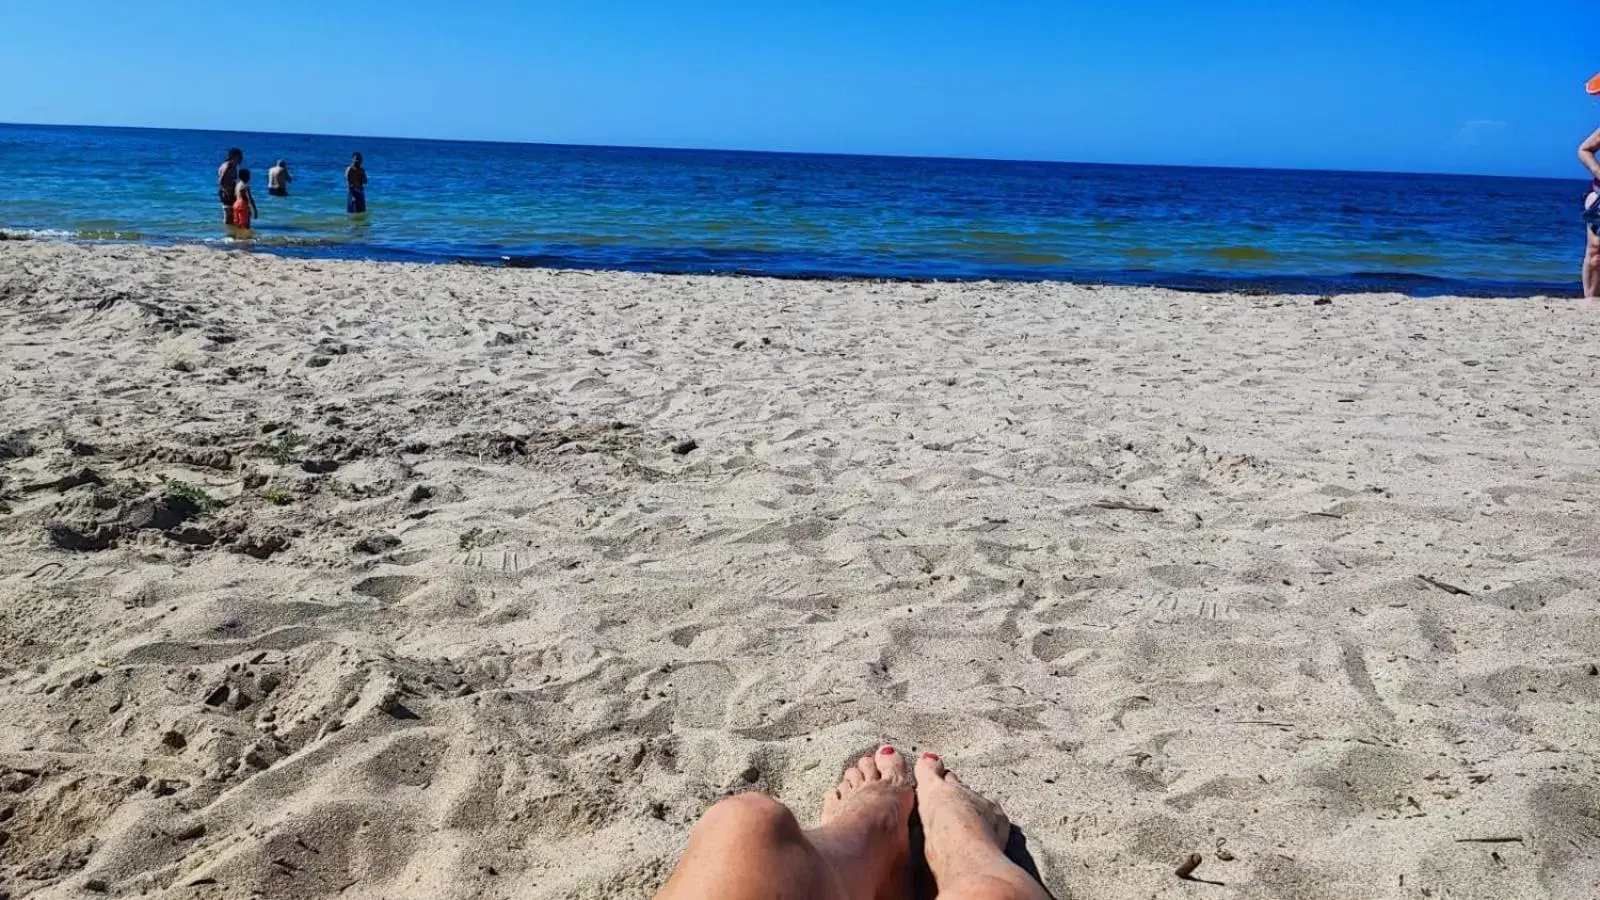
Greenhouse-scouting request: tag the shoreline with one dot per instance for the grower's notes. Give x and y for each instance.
(375, 580)
(1415, 285)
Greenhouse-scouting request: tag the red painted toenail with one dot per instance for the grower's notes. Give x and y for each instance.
(932, 756)
(887, 751)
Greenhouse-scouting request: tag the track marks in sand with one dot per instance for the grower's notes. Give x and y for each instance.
(507, 562)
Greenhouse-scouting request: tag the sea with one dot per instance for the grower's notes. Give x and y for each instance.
(808, 215)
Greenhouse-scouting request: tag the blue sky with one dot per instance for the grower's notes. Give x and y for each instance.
(1468, 86)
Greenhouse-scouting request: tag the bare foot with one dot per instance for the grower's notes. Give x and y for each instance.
(865, 833)
(875, 785)
(966, 836)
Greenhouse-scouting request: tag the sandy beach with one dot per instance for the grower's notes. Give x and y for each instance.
(367, 580)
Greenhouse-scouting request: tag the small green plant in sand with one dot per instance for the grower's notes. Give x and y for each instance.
(468, 541)
(192, 493)
(277, 496)
(286, 448)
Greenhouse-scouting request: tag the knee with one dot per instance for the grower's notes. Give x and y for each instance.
(753, 816)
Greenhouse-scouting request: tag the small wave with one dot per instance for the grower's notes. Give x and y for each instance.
(1399, 278)
(1398, 259)
(37, 234)
(107, 234)
(1242, 254)
(983, 236)
(1145, 252)
(284, 240)
(1033, 259)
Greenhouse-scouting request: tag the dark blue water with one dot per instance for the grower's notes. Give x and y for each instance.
(805, 215)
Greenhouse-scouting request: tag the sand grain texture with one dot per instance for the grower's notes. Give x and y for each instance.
(350, 579)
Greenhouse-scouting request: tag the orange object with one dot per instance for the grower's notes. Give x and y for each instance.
(1593, 86)
(241, 213)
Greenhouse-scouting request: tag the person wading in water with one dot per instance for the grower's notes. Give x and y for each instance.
(355, 178)
(278, 179)
(228, 183)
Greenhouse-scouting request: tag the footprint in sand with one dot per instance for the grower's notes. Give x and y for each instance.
(389, 588)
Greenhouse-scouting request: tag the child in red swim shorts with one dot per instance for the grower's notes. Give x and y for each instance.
(244, 204)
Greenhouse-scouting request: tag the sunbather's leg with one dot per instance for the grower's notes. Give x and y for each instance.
(751, 847)
(965, 838)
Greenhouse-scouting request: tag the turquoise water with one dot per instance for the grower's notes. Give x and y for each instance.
(808, 215)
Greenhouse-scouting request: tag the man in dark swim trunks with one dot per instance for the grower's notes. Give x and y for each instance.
(278, 179)
(355, 178)
(228, 182)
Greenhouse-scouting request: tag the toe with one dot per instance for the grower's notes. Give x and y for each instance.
(930, 768)
(853, 777)
(869, 769)
(890, 763)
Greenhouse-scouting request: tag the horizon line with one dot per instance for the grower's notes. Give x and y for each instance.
(818, 153)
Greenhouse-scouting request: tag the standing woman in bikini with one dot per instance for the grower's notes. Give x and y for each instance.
(1591, 215)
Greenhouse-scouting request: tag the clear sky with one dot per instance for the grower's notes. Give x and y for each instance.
(1408, 85)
